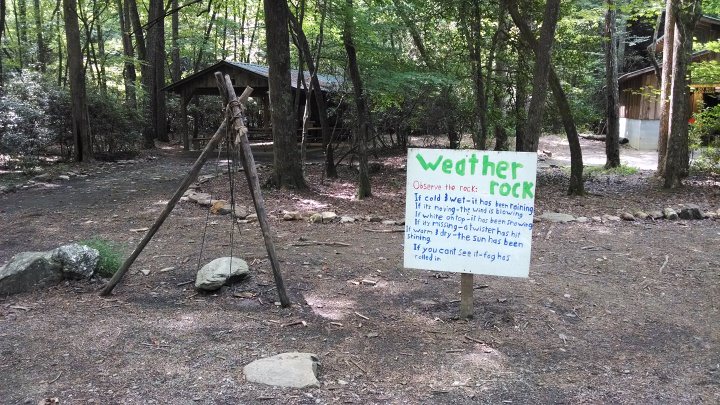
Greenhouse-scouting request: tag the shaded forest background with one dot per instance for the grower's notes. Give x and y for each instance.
(462, 68)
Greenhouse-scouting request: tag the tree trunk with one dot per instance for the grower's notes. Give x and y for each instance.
(666, 86)
(129, 75)
(540, 76)
(175, 47)
(287, 170)
(3, 13)
(102, 76)
(80, 124)
(156, 58)
(363, 124)
(472, 31)
(612, 138)
(330, 169)
(499, 92)
(576, 186)
(687, 13)
(42, 52)
(20, 11)
(521, 96)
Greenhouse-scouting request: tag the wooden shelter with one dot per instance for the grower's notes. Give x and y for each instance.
(640, 98)
(243, 75)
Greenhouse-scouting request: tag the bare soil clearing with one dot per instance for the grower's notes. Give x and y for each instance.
(613, 312)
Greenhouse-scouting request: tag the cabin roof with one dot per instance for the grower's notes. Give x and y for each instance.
(695, 56)
(328, 83)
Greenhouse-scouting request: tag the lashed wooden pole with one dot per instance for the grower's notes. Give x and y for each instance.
(189, 179)
(237, 128)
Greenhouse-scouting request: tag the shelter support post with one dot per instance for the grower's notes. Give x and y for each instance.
(184, 101)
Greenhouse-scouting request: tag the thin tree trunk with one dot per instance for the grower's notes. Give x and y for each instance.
(3, 13)
(362, 127)
(252, 35)
(206, 39)
(129, 75)
(102, 76)
(80, 124)
(287, 170)
(42, 52)
(330, 170)
(501, 136)
(521, 96)
(156, 57)
(687, 13)
(174, 46)
(540, 76)
(472, 31)
(19, 14)
(666, 86)
(576, 186)
(612, 137)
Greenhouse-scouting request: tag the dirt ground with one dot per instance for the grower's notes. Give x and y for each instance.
(613, 312)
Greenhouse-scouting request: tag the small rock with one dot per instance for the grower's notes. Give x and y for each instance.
(691, 211)
(251, 218)
(670, 214)
(611, 218)
(556, 217)
(145, 272)
(293, 370)
(219, 272)
(328, 216)
(64, 177)
(656, 214)
(347, 220)
(710, 215)
(315, 218)
(389, 222)
(42, 177)
(373, 218)
(291, 215)
(641, 215)
(220, 207)
(597, 219)
(77, 261)
(627, 216)
(241, 211)
(581, 220)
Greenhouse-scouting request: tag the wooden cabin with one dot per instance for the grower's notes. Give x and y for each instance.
(243, 75)
(640, 98)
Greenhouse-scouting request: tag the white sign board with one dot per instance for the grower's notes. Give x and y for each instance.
(470, 211)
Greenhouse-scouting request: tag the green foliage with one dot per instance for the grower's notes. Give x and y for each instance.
(596, 171)
(114, 127)
(705, 139)
(33, 116)
(111, 257)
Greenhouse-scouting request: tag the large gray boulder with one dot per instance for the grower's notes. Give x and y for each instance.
(292, 370)
(557, 217)
(29, 270)
(219, 272)
(77, 261)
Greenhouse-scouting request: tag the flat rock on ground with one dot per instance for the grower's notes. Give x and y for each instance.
(557, 217)
(219, 272)
(291, 370)
(29, 270)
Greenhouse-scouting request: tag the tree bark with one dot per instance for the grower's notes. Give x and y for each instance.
(175, 47)
(576, 186)
(666, 85)
(42, 52)
(129, 74)
(287, 171)
(499, 103)
(521, 96)
(612, 138)
(540, 76)
(472, 31)
(156, 58)
(80, 124)
(3, 13)
(687, 13)
(318, 95)
(363, 123)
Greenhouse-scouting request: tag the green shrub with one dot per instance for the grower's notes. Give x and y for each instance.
(622, 170)
(111, 256)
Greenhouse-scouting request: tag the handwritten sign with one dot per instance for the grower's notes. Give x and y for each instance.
(470, 211)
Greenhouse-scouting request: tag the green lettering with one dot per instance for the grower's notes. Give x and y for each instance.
(488, 166)
(515, 166)
(505, 189)
(493, 184)
(500, 170)
(447, 166)
(528, 189)
(515, 190)
(426, 165)
(473, 161)
(460, 167)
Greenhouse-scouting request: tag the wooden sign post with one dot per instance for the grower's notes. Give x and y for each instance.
(469, 211)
